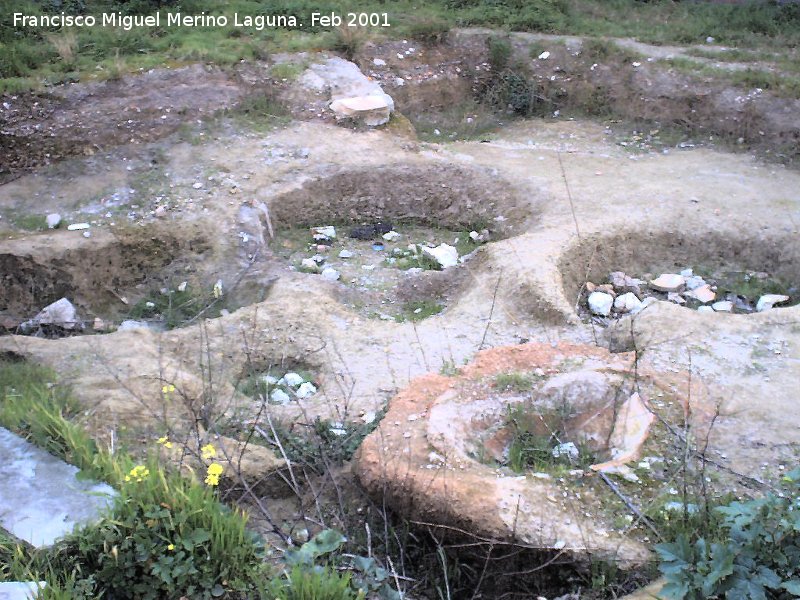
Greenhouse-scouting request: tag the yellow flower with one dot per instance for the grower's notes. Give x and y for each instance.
(208, 451)
(138, 474)
(171, 547)
(214, 471)
(167, 389)
(164, 441)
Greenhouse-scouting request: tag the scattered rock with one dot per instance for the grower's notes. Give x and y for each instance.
(21, 590)
(600, 303)
(292, 379)
(622, 283)
(723, 306)
(278, 396)
(306, 389)
(391, 236)
(61, 313)
(330, 274)
(767, 301)
(346, 254)
(44, 498)
(53, 220)
(353, 95)
(369, 232)
(702, 294)
(705, 309)
(371, 110)
(607, 288)
(324, 233)
(445, 254)
(78, 226)
(694, 282)
(627, 302)
(675, 298)
(645, 303)
(309, 264)
(668, 282)
(568, 449)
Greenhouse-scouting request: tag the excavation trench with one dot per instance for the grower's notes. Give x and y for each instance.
(104, 277)
(383, 218)
(737, 268)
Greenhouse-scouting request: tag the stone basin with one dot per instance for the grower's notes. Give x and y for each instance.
(437, 456)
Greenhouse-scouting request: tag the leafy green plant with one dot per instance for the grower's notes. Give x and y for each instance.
(758, 557)
(327, 442)
(367, 576)
(324, 584)
(167, 536)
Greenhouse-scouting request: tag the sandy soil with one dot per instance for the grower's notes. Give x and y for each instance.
(565, 203)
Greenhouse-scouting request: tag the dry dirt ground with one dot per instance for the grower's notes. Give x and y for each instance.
(565, 203)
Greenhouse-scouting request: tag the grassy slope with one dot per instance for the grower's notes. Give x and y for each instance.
(29, 59)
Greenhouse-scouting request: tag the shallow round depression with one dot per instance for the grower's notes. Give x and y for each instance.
(738, 269)
(424, 205)
(585, 418)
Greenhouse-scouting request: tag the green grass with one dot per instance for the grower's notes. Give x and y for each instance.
(514, 382)
(28, 222)
(166, 535)
(287, 70)
(30, 58)
(535, 436)
(781, 84)
(728, 54)
(419, 310)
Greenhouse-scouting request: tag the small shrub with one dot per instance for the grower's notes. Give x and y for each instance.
(66, 45)
(348, 41)
(176, 307)
(429, 31)
(499, 52)
(757, 554)
(287, 70)
(326, 443)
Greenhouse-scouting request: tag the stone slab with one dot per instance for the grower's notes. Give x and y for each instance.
(20, 590)
(41, 498)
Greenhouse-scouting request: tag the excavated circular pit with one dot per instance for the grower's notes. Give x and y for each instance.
(106, 278)
(730, 272)
(575, 420)
(387, 220)
(443, 453)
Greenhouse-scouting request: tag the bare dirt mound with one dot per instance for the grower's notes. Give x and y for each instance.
(81, 119)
